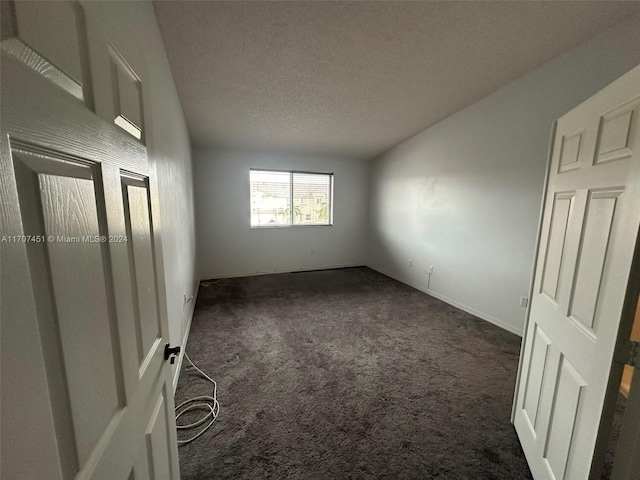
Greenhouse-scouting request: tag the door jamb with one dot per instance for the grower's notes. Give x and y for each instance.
(625, 326)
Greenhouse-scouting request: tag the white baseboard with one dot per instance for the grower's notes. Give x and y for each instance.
(497, 322)
(303, 269)
(185, 337)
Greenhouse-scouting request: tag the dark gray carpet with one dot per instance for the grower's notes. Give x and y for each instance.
(614, 436)
(349, 374)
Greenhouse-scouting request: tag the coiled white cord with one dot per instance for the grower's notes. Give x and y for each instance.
(202, 402)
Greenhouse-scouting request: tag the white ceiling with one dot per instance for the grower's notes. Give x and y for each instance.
(355, 78)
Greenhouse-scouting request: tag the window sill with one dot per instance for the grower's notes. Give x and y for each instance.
(275, 227)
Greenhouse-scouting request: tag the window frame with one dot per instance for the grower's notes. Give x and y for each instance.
(291, 209)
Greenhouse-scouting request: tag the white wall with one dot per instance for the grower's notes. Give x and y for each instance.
(228, 247)
(464, 195)
(168, 144)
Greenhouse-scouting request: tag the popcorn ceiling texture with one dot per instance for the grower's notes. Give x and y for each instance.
(355, 78)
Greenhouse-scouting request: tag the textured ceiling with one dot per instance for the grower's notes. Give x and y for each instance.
(355, 78)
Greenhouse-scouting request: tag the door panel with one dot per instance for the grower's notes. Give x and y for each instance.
(59, 206)
(83, 317)
(587, 242)
(598, 222)
(139, 232)
(50, 37)
(564, 410)
(617, 133)
(536, 377)
(555, 252)
(158, 451)
(40, 25)
(570, 151)
(82, 307)
(127, 95)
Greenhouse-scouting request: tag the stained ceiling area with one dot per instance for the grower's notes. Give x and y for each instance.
(354, 78)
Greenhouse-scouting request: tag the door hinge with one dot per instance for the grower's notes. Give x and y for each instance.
(634, 354)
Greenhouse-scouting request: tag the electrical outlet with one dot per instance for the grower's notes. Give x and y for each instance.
(524, 301)
(410, 263)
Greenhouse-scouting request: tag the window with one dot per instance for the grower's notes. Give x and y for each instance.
(290, 198)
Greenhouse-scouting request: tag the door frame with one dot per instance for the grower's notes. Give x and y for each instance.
(629, 464)
(621, 354)
(618, 362)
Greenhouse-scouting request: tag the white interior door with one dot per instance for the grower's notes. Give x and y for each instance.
(86, 390)
(589, 231)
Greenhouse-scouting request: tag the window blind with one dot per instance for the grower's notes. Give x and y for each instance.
(290, 198)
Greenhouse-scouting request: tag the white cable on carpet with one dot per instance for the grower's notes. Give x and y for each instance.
(202, 402)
